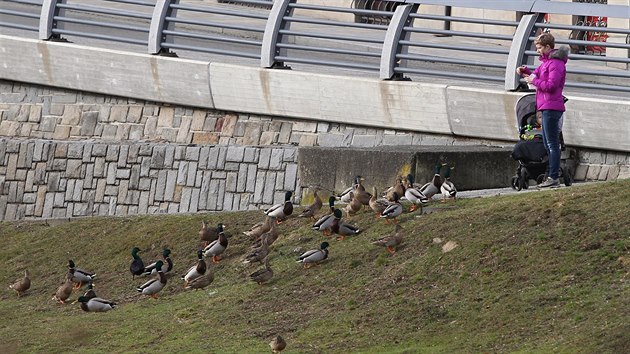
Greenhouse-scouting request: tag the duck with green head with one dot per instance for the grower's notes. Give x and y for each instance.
(137, 265)
(430, 189)
(325, 222)
(281, 211)
(309, 258)
(448, 187)
(414, 196)
(80, 276)
(201, 281)
(151, 270)
(393, 210)
(153, 286)
(95, 304)
(198, 270)
(341, 228)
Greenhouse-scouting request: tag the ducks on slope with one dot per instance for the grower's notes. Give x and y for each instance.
(281, 211)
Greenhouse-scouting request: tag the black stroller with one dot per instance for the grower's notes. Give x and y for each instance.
(530, 151)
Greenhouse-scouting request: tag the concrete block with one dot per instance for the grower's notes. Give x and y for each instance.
(235, 154)
(221, 158)
(191, 174)
(290, 176)
(398, 139)
(182, 173)
(593, 172)
(268, 138)
(331, 140)
(62, 132)
(192, 153)
(269, 188)
(308, 140)
(275, 160)
(251, 155)
(171, 183)
(73, 168)
(71, 115)
(99, 167)
(228, 125)
(580, 172)
(109, 132)
(230, 181)
(603, 173)
(111, 173)
(624, 172)
(184, 135)
(241, 178)
(165, 117)
(363, 141)
(35, 113)
(118, 113)
(613, 173)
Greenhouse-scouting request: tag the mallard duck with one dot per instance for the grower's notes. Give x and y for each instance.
(150, 269)
(258, 254)
(89, 293)
(80, 276)
(196, 271)
(281, 211)
(311, 210)
(271, 236)
(448, 188)
(378, 205)
(311, 257)
(397, 188)
(414, 196)
(393, 210)
(260, 228)
(341, 228)
(64, 290)
(354, 206)
(202, 281)
(325, 222)
(344, 196)
(360, 193)
(391, 241)
(153, 286)
(430, 189)
(21, 285)
(217, 247)
(262, 275)
(137, 265)
(207, 234)
(277, 344)
(95, 304)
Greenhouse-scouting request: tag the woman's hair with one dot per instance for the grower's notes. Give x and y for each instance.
(546, 39)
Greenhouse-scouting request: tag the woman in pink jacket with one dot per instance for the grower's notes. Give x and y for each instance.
(549, 80)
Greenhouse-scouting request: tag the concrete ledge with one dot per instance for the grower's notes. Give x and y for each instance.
(141, 76)
(476, 167)
(371, 102)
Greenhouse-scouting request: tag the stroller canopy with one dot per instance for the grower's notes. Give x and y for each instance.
(525, 108)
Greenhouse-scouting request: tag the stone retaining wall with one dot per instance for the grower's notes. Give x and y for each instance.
(67, 154)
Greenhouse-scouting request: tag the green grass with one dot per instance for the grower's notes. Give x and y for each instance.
(533, 273)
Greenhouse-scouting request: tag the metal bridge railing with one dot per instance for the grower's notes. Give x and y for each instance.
(403, 39)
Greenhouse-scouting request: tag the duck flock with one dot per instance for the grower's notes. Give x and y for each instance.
(213, 241)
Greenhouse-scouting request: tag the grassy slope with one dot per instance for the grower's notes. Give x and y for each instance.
(534, 272)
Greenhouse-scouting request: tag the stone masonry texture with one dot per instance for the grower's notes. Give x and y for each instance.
(70, 154)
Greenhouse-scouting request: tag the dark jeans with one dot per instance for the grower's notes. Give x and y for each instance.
(551, 121)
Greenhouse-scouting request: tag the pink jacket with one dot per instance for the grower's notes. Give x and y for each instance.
(549, 80)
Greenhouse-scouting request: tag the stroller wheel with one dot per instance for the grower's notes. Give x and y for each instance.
(567, 176)
(540, 178)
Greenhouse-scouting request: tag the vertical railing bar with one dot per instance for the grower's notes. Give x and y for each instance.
(47, 19)
(391, 43)
(271, 35)
(520, 43)
(158, 21)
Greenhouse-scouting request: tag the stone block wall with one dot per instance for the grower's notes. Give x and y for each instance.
(50, 179)
(69, 154)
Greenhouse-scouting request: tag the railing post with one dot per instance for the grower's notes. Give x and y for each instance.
(399, 20)
(275, 23)
(161, 10)
(520, 43)
(46, 18)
